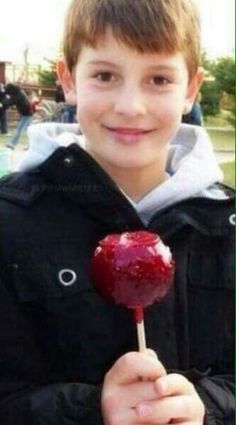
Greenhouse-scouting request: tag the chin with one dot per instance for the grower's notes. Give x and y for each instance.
(130, 163)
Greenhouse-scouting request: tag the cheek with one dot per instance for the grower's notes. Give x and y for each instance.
(169, 116)
(171, 109)
(90, 106)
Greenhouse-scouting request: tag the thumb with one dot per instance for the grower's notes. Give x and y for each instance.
(151, 353)
(133, 366)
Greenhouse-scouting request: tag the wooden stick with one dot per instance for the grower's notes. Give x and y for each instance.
(138, 317)
(141, 336)
(139, 320)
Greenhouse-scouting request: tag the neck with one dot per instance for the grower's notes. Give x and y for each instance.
(136, 182)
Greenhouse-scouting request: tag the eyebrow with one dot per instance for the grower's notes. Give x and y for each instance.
(171, 68)
(160, 67)
(99, 62)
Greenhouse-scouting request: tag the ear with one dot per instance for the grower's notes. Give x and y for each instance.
(67, 81)
(193, 89)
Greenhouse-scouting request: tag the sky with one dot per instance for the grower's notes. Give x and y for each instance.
(38, 26)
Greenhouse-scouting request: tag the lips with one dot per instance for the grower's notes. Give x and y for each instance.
(128, 135)
(127, 131)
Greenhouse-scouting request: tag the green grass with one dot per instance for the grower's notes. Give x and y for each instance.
(229, 173)
(4, 139)
(222, 139)
(223, 119)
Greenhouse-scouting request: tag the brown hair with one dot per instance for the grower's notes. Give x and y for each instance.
(147, 25)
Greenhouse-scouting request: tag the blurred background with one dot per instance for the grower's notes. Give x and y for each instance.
(30, 37)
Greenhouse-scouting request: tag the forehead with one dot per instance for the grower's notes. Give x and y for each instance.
(110, 49)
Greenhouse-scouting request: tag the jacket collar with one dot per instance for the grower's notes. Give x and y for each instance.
(84, 182)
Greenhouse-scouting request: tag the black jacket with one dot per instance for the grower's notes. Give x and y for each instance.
(19, 99)
(59, 94)
(57, 341)
(2, 99)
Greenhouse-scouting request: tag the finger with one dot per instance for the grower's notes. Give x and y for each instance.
(151, 353)
(181, 422)
(147, 423)
(138, 392)
(169, 408)
(135, 366)
(120, 416)
(173, 384)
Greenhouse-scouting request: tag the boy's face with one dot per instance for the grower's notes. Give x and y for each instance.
(129, 104)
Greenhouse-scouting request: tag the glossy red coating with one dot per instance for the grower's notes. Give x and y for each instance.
(133, 268)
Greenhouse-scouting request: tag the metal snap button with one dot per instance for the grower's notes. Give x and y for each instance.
(232, 219)
(67, 277)
(68, 161)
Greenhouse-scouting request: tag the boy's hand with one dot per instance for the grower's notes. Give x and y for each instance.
(129, 383)
(137, 390)
(177, 403)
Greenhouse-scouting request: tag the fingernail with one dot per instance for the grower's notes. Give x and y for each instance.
(144, 410)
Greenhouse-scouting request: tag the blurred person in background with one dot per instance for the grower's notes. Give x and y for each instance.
(18, 98)
(3, 114)
(195, 115)
(68, 112)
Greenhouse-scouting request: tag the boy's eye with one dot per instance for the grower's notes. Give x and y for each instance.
(160, 81)
(104, 77)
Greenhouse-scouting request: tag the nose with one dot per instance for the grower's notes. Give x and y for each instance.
(130, 102)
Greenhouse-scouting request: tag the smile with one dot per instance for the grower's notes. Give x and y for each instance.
(126, 130)
(127, 135)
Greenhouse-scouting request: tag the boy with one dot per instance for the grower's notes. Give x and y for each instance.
(68, 355)
(3, 113)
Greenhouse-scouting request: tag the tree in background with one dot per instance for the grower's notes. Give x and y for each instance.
(223, 71)
(48, 76)
(210, 102)
(219, 87)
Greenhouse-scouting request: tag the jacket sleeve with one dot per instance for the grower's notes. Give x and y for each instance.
(59, 404)
(26, 398)
(217, 394)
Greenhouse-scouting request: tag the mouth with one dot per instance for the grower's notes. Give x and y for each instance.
(128, 130)
(128, 134)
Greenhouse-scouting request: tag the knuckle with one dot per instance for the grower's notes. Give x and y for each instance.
(113, 419)
(187, 406)
(177, 377)
(127, 360)
(151, 353)
(109, 403)
(186, 384)
(162, 370)
(191, 387)
(201, 408)
(108, 377)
